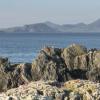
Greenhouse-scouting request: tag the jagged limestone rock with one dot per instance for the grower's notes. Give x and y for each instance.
(71, 52)
(73, 62)
(49, 66)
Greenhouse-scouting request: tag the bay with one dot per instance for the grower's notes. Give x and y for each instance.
(24, 47)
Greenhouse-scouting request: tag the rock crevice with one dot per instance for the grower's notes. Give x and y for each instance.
(59, 64)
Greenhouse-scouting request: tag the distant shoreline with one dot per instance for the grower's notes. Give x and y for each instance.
(49, 27)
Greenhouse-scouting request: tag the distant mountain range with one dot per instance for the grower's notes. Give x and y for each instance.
(49, 27)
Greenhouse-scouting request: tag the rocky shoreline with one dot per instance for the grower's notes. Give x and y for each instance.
(51, 90)
(61, 65)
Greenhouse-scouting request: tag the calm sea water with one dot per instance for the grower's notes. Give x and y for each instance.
(24, 47)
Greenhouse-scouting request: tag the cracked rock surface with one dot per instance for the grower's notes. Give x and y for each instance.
(60, 65)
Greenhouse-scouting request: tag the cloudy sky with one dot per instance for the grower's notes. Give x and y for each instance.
(20, 12)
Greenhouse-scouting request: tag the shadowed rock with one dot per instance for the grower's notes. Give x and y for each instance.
(49, 65)
(13, 75)
(74, 62)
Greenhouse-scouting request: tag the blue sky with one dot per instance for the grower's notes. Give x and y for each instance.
(20, 12)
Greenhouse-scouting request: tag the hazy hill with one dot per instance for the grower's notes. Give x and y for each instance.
(49, 27)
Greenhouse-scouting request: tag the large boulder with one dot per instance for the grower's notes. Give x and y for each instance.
(71, 52)
(49, 65)
(13, 75)
(64, 64)
(20, 75)
(74, 62)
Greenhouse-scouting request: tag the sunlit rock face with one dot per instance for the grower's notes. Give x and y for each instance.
(71, 55)
(56, 64)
